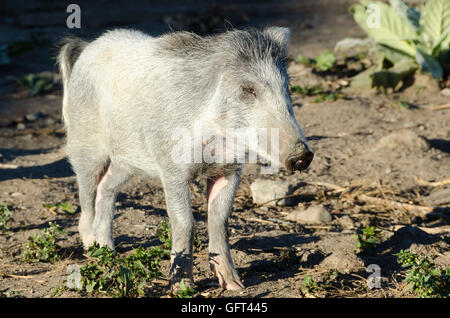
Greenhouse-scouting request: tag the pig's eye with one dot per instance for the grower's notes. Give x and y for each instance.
(249, 90)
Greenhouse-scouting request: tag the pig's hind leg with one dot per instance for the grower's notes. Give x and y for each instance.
(221, 192)
(89, 166)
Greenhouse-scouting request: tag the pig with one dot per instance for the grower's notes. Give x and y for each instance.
(124, 94)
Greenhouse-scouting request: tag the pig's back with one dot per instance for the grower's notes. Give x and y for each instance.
(132, 89)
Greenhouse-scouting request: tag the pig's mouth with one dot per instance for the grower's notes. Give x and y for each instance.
(299, 161)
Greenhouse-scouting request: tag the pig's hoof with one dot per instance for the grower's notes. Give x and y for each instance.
(105, 242)
(225, 272)
(88, 240)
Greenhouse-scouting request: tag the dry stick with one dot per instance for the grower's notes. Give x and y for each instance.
(15, 276)
(440, 107)
(414, 209)
(280, 198)
(328, 185)
(431, 184)
(8, 166)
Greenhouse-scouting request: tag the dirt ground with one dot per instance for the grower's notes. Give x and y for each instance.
(271, 254)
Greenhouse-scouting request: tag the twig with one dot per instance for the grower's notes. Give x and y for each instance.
(15, 276)
(331, 186)
(335, 188)
(261, 221)
(431, 184)
(280, 198)
(440, 107)
(414, 209)
(8, 166)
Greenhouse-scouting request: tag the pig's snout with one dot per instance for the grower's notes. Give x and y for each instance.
(299, 161)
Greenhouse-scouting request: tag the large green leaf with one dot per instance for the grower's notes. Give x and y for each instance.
(409, 15)
(351, 43)
(429, 64)
(435, 25)
(385, 26)
(392, 77)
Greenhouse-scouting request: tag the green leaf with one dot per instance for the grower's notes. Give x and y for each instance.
(303, 59)
(392, 77)
(325, 60)
(385, 26)
(435, 25)
(429, 64)
(350, 43)
(67, 207)
(409, 15)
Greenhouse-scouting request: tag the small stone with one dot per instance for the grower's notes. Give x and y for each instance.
(31, 117)
(315, 214)
(438, 198)
(20, 126)
(264, 190)
(346, 222)
(343, 261)
(343, 82)
(401, 139)
(445, 92)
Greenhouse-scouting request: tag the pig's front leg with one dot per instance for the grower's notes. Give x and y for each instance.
(221, 192)
(182, 229)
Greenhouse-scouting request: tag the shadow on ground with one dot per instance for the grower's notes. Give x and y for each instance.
(57, 169)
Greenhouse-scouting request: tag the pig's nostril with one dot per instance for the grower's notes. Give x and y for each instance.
(299, 161)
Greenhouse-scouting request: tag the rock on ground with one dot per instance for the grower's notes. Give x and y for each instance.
(342, 261)
(315, 214)
(401, 139)
(264, 190)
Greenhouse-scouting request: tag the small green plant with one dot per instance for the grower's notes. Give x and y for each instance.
(328, 97)
(35, 83)
(369, 237)
(306, 90)
(325, 61)
(303, 59)
(185, 291)
(57, 291)
(332, 280)
(61, 207)
(318, 92)
(309, 285)
(43, 248)
(424, 278)
(5, 217)
(165, 236)
(108, 273)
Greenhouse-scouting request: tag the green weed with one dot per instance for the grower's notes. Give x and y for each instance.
(424, 278)
(5, 217)
(65, 207)
(369, 238)
(325, 61)
(185, 291)
(35, 83)
(43, 248)
(108, 273)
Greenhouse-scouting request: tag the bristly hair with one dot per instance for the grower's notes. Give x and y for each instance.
(253, 44)
(247, 45)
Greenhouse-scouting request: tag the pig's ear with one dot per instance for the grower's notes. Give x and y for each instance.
(280, 35)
